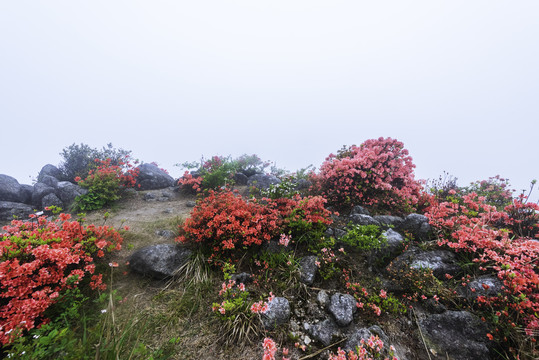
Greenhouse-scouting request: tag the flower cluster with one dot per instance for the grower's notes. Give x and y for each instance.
(190, 182)
(261, 307)
(235, 297)
(303, 215)
(42, 258)
(224, 221)
(373, 348)
(270, 349)
(378, 173)
(499, 242)
(284, 240)
(105, 182)
(375, 302)
(218, 172)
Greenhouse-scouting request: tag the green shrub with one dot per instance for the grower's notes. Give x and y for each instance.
(364, 237)
(78, 160)
(105, 183)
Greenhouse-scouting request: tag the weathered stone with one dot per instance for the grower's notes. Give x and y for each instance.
(26, 192)
(417, 225)
(460, 334)
(240, 178)
(50, 170)
(487, 285)
(389, 220)
(40, 191)
(51, 200)
(10, 209)
(67, 192)
(441, 262)
(151, 177)
(303, 184)
(361, 219)
(159, 261)
(355, 336)
(322, 298)
(150, 196)
(263, 181)
(242, 278)
(389, 250)
(308, 269)
(49, 181)
(335, 232)
(278, 313)
(343, 308)
(10, 189)
(434, 306)
(323, 331)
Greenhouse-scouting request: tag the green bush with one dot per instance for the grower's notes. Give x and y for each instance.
(364, 237)
(78, 160)
(105, 183)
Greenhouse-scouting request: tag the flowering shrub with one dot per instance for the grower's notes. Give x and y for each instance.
(211, 175)
(500, 242)
(495, 190)
(303, 217)
(105, 183)
(219, 172)
(79, 159)
(39, 260)
(239, 317)
(371, 349)
(378, 173)
(372, 301)
(224, 222)
(270, 349)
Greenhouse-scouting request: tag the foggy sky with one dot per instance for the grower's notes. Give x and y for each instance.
(292, 81)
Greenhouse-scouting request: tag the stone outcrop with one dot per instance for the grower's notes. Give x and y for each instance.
(458, 334)
(159, 261)
(342, 307)
(278, 313)
(262, 181)
(308, 269)
(441, 262)
(152, 178)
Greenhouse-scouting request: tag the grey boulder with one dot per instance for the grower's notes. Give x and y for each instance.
(51, 200)
(441, 262)
(487, 285)
(459, 334)
(417, 225)
(343, 308)
(262, 181)
(50, 170)
(9, 210)
(362, 219)
(323, 331)
(151, 177)
(67, 192)
(10, 189)
(159, 261)
(278, 313)
(40, 191)
(308, 269)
